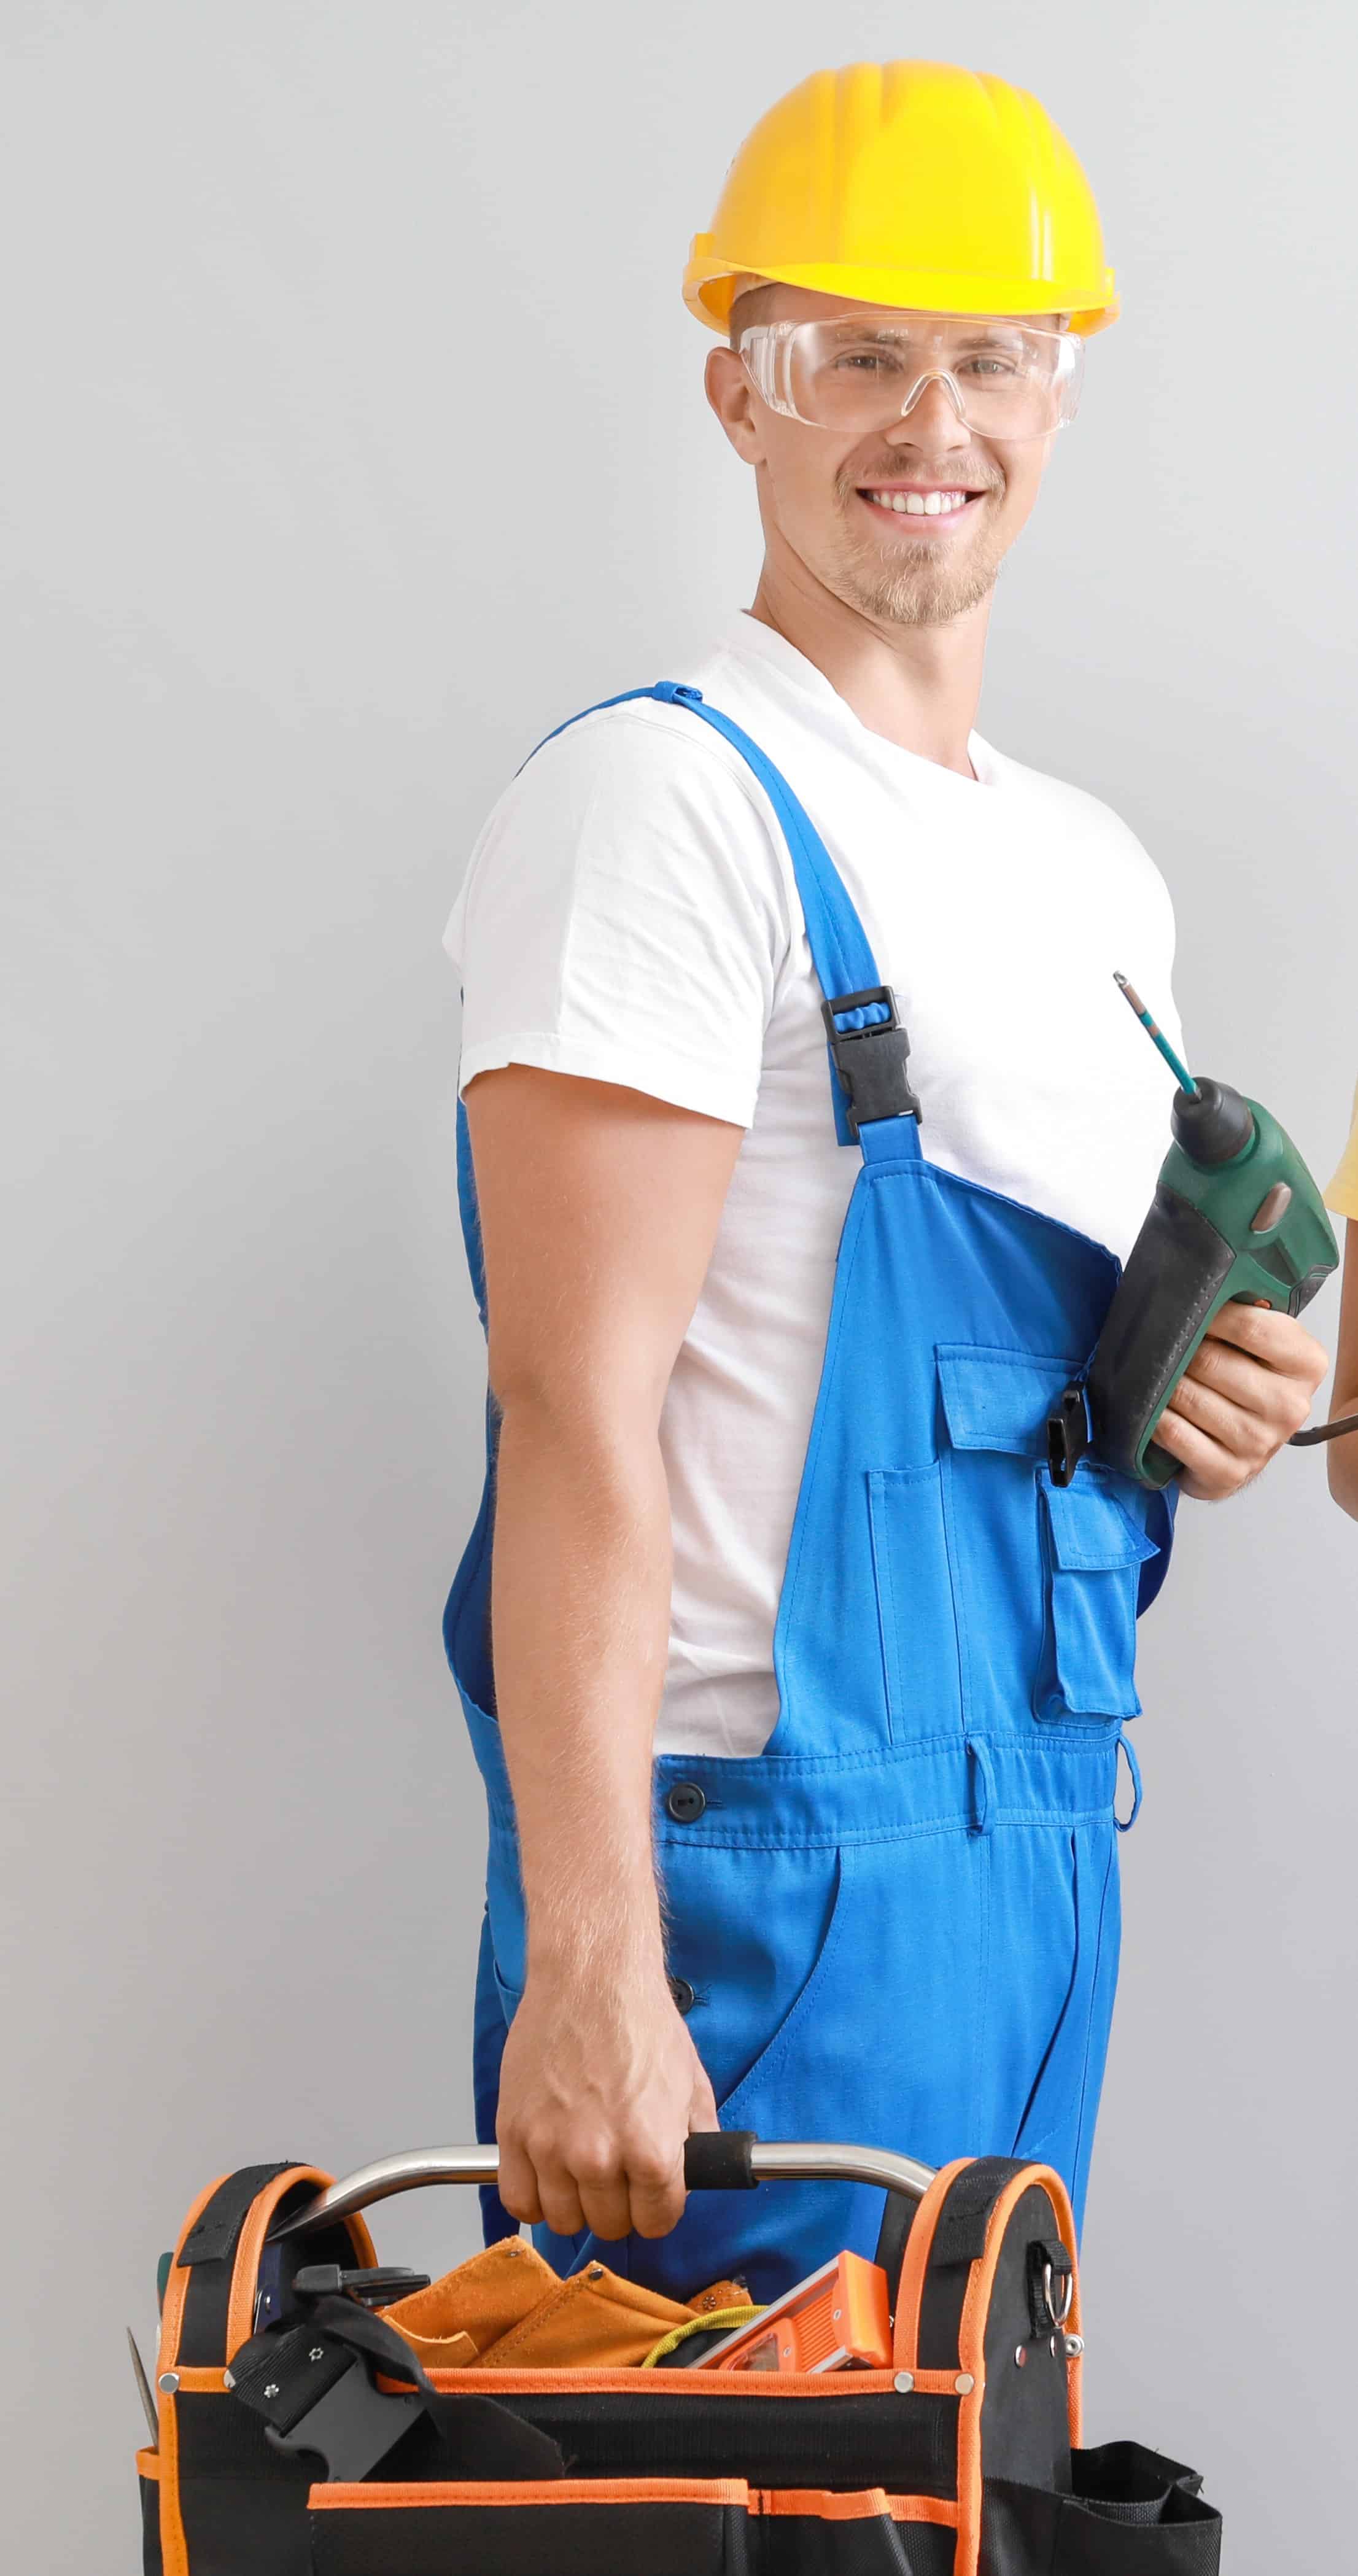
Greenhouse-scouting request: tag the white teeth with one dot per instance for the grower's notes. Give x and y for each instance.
(920, 505)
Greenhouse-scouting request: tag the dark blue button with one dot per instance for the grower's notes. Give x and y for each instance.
(684, 1996)
(686, 1802)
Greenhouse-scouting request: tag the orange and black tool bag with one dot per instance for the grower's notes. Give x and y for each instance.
(299, 2435)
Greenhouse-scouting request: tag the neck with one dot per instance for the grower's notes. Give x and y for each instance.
(918, 686)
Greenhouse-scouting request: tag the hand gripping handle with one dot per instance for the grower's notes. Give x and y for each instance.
(714, 2160)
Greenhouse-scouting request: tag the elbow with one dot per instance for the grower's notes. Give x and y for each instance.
(573, 1411)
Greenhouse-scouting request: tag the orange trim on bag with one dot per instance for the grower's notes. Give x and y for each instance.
(198, 2380)
(513, 2493)
(971, 2349)
(240, 2317)
(173, 2546)
(148, 2465)
(672, 2383)
(870, 2504)
(918, 2247)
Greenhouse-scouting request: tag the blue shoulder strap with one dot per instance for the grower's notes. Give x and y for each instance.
(840, 949)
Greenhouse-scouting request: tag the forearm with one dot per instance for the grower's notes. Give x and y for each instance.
(580, 1623)
(1343, 1454)
(1343, 1460)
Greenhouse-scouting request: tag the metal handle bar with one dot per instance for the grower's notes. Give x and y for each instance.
(713, 2161)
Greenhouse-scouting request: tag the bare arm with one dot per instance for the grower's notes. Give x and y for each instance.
(599, 1209)
(1343, 1456)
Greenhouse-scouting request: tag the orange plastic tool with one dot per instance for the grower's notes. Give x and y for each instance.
(837, 2319)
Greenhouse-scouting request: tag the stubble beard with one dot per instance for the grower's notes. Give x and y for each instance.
(915, 588)
(926, 595)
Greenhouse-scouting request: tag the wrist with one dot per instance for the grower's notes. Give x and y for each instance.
(622, 1951)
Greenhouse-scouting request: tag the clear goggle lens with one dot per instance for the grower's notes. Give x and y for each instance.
(861, 372)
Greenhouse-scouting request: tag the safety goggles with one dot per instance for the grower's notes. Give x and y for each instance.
(861, 371)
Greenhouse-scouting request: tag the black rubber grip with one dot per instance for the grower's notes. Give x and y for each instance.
(719, 2160)
(1175, 1271)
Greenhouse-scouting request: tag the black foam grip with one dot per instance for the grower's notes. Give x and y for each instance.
(720, 2160)
(1175, 1271)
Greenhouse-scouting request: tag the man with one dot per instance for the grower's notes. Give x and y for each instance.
(808, 1681)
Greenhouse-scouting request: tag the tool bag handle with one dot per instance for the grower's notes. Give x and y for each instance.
(714, 2160)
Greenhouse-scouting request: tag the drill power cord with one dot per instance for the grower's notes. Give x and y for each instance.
(1324, 1431)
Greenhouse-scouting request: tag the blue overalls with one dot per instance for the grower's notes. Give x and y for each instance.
(898, 1925)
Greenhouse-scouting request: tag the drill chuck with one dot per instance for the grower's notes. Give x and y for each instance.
(1212, 1124)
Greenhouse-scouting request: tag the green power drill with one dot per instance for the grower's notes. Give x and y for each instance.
(1236, 1214)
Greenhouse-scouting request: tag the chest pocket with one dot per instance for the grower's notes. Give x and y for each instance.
(1045, 1578)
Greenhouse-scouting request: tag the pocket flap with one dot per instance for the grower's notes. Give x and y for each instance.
(1091, 1533)
(996, 1399)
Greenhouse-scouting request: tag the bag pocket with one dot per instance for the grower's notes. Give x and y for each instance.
(804, 2532)
(1131, 2513)
(916, 1616)
(1094, 1555)
(148, 2480)
(566, 2527)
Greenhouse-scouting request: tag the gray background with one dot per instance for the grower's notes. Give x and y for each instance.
(353, 435)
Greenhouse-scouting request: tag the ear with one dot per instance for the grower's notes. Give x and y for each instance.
(732, 397)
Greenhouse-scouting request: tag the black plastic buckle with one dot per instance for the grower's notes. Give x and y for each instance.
(1068, 1434)
(871, 1061)
(315, 2394)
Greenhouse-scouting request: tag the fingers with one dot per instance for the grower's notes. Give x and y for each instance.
(518, 2184)
(609, 2187)
(702, 2110)
(1211, 1473)
(1249, 1386)
(1280, 1342)
(596, 2101)
(658, 2199)
(656, 2190)
(1236, 1417)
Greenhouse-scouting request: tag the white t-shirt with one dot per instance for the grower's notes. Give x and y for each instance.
(630, 914)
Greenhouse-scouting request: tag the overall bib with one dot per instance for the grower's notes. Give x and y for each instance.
(898, 1925)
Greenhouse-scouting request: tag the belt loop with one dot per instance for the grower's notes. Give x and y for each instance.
(983, 1784)
(1125, 1824)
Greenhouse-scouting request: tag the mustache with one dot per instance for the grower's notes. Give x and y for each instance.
(974, 476)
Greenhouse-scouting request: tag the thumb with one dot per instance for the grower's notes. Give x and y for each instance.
(702, 2108)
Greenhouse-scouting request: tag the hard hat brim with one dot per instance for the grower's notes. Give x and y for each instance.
(1086, 304)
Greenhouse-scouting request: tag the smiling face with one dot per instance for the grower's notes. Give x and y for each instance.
(907, 525)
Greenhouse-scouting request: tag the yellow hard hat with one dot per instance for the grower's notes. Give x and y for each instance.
(916, 185)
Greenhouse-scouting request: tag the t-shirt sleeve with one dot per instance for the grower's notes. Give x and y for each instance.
(624, 917)
(1342, 1194)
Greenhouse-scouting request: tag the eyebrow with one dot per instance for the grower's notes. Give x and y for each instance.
(886, 334)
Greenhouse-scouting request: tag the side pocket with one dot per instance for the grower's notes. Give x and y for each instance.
(1131, 2514)
(603, 2527)
(1058, 2121)
(864, 2534)
(915, 1605)
(795, 2093)
(1094, 1553)
(148, 2479)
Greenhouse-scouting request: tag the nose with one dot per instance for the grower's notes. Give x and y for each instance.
(933, 409)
